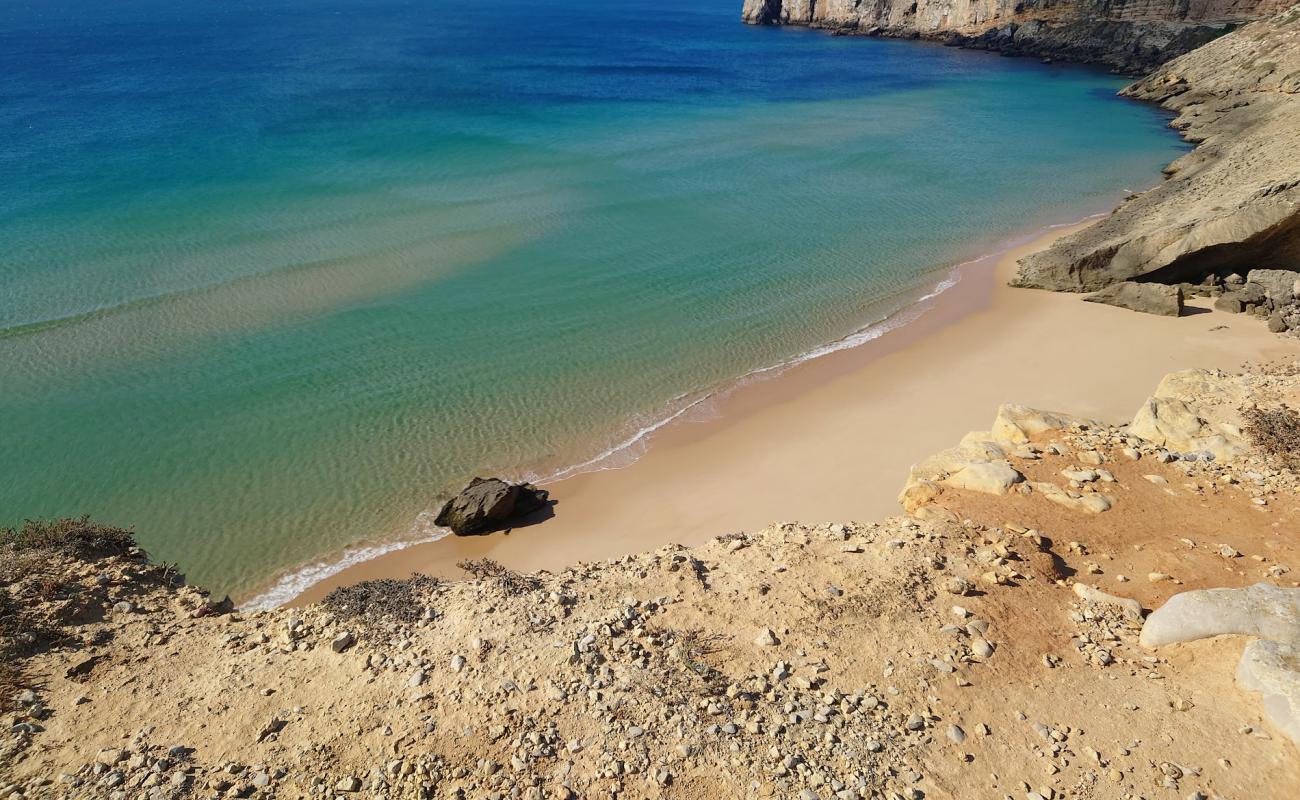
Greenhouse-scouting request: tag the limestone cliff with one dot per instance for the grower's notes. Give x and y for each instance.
(1230, 205)
(1132, 35)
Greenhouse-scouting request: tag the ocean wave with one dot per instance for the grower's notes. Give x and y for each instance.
(292, 584)
(685, 404)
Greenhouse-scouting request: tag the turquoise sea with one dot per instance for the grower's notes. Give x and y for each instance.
(277, 275)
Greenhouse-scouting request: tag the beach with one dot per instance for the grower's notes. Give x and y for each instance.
(832, 438)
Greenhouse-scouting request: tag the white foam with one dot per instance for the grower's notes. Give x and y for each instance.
(289, 586)
(606, 459)
(632, 441)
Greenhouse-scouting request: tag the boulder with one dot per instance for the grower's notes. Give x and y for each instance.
(1280, 285)
(1148, 298)
(1015, 424)
(1229, 302)
(1246, 298)
(1191, 412)
(989, 477)
(1261, 610)
(918, 494)
(1252, 294)
(1273, 670)
(487, 504)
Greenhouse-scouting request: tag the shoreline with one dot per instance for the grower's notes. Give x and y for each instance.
(874, 409)
(284, 588)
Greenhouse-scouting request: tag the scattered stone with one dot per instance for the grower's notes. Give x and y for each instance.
(349, 784)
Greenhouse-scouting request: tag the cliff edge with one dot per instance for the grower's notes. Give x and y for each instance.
(1133, 35)
(989, 645)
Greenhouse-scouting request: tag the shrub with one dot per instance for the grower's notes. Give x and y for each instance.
(511, 581)
(74, 537)
(1276, 432)
(372, 601)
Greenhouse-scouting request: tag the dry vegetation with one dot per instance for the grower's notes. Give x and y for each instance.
(386, 598)
(513, 582)
(29, 584)
(1275, 432)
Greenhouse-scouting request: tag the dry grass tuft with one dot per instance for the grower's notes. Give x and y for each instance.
(79, 538)
(1276, 432)
(513, 582)
(386, 598)
(32, 577)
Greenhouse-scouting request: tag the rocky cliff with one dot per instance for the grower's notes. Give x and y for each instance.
(1230, 205)
(1132, 35)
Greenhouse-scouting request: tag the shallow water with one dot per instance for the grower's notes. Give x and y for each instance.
(277, 275)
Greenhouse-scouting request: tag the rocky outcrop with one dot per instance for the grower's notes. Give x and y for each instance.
(1273, 669)
(1194, 411)
(1229, 206)
(1270, 665)
(1135, 36)
(979, 464)
(1149, 298)
(1261, 610)
(488, 504)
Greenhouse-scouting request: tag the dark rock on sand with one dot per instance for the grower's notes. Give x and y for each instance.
(1149, 298)
(1230, 302)
(487, 504)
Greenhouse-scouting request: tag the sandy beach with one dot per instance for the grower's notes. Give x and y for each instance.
(833, 438)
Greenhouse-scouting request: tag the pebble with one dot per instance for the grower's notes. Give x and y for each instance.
(348, 784)
(958, 586)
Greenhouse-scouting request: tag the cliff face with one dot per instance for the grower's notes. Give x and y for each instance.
(1133, 35)
(1230, 205)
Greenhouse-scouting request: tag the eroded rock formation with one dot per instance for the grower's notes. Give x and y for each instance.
(1229, 206)
(1134, 36)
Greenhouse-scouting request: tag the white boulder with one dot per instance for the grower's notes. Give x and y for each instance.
(1263, 610)
(1273, 669)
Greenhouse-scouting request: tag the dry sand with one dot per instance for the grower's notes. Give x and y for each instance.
(833, 438)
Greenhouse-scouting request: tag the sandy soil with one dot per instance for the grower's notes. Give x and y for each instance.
(833, 438)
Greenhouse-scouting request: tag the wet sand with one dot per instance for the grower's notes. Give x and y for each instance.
(832, 439)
